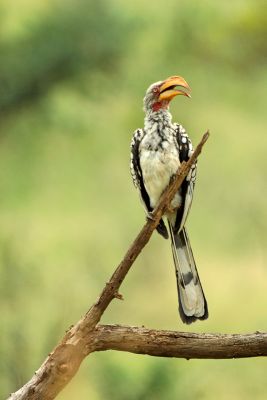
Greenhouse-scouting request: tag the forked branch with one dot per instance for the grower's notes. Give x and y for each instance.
(86, 336)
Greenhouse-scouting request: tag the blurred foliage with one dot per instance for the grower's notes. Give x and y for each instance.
(66, 191)
(222, 34)
(69, 37)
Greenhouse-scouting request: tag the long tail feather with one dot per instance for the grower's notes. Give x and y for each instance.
(192, 302)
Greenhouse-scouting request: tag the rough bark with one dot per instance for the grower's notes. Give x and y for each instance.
(179, 344)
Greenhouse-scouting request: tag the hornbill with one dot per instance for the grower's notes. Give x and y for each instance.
(156, 153)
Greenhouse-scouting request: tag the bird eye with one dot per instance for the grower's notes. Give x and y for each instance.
(155, 90)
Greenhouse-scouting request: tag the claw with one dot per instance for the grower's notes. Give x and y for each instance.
(149, 216)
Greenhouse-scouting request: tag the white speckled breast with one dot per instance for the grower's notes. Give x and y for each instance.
(158, 164)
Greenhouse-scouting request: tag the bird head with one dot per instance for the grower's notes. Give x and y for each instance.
(159, 94)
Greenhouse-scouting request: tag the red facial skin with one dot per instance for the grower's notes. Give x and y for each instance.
(160, 105)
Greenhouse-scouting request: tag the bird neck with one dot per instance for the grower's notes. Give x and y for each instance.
(162, 117)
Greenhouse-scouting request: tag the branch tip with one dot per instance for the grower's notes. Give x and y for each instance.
(118, 296)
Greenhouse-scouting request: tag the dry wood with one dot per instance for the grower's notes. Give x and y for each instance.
(179, 344)
(86, 337)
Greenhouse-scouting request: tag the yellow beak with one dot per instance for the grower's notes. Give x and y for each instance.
(168, 91)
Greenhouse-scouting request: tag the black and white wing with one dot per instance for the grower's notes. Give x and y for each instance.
(137, 177)
(136, 170)
(185, 147)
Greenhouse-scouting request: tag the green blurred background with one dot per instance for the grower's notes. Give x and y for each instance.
(72, 77)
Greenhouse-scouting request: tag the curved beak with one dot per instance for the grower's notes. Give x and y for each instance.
(168, 88)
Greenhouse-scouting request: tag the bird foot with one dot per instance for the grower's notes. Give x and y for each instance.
(171, 209)
(149, 216)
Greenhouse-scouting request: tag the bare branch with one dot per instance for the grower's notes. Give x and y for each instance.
(62, 364)
(179, 344)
